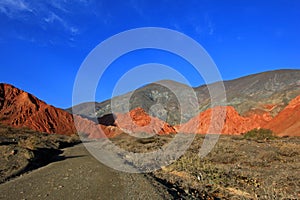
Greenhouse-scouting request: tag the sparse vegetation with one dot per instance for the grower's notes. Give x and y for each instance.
(24, 149)
(259, 134)
(236, 168)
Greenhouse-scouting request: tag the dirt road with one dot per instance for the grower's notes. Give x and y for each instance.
(80, 176)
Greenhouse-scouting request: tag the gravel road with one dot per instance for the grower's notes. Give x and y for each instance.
(80, 176)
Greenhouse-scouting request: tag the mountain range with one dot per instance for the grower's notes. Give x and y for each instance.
(265, 100)
(259, 93)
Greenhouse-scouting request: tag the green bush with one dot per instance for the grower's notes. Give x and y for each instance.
(259, 134)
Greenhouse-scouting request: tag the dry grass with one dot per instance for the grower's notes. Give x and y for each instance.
(237, 168)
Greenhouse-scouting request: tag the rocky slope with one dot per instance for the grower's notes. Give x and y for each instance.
(138, 121)
(256, 101)
(91, 129)
(287, 122)
(159, 99)
(267, 92)
(21, 109)
(226, 120)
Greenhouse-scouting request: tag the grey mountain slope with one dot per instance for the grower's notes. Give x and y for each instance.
(245, 94)
(274, 87)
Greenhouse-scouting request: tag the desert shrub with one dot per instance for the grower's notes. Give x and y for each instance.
(259, 134)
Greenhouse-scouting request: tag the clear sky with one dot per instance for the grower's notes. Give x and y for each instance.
(43, 43)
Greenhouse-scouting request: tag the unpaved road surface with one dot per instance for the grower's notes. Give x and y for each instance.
(80, 176)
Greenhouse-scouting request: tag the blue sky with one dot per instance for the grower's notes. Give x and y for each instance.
(43, 43)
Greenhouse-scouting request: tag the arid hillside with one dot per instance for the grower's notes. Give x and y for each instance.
(263, 93)
(21, 109)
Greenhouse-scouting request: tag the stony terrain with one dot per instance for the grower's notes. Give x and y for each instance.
(23, 150)
(80, 176)
(253, 166)
(256, 165)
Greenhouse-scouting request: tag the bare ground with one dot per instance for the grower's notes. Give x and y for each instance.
(237, 168)
(80, 176)
(23, 150)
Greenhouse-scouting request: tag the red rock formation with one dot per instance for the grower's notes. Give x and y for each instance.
(138, 121)
(134, 122)
(259, 116)
(287, 122)
(226, 121)
(21, 109)
(92, 130)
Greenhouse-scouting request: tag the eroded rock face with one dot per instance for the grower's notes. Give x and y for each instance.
(95, 130)
(287, 122)
(21, 109)
(226, 120)
(138, 121)
(259, 117)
